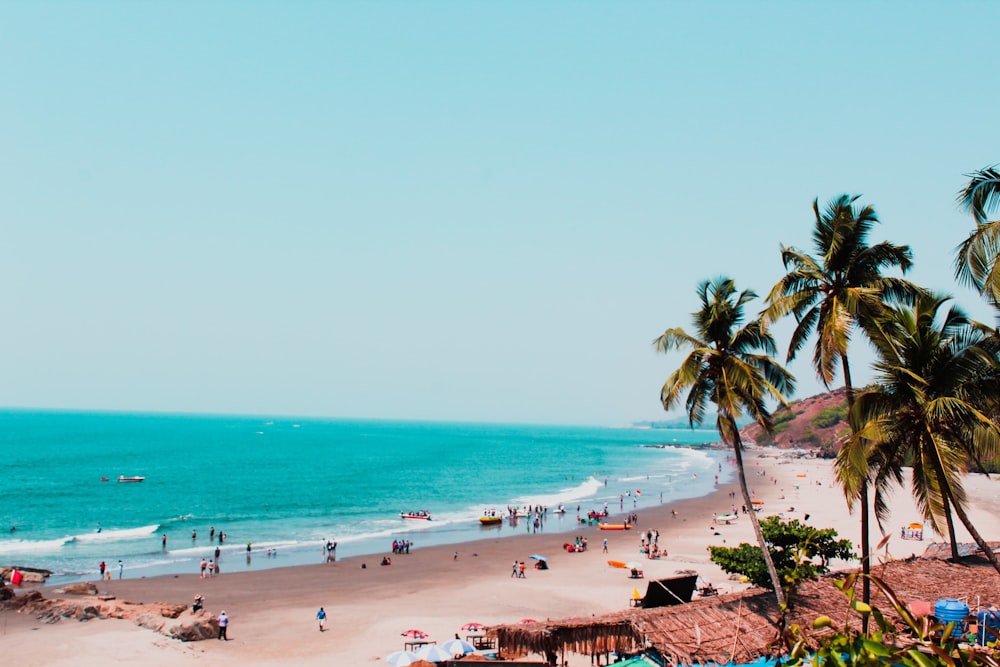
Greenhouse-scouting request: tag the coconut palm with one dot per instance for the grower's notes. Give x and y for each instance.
(730, 366)
(840, 290)
(928, 408)
(976, 258)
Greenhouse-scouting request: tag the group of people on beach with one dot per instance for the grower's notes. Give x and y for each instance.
(401, 546)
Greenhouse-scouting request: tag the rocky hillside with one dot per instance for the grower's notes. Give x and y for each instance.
(818, 422)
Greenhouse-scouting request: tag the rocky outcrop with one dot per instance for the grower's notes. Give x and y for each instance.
(31, 575)
(83, 588)
(172, 620)
(817, 423)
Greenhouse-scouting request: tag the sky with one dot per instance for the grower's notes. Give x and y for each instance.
(465, 211)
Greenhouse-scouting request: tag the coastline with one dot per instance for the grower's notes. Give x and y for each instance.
(272, 611)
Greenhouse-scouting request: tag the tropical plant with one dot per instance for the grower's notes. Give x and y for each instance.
(799, 552)
(976, 258)
(839, 290)
(732, 367)
(936, 385)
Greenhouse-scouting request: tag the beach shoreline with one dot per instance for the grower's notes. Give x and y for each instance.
(272, 611)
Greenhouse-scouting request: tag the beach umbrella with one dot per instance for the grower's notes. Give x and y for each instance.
(632, 565)
(537, 557)
(433, 653)
(415, 634)
(635, 594)
(458, 646)
(401, 658)
(525, 621)
(473, 627)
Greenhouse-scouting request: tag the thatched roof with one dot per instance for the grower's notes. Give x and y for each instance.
(741, 627)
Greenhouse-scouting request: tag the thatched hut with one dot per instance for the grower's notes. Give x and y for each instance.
(740, 627)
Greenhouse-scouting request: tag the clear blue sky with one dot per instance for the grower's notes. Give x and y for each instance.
(447, 210)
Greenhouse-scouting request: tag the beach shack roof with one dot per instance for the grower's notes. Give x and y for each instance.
(741, 627)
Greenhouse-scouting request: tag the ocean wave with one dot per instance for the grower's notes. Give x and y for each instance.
(585, 489)
(116, 535)
(10, 547)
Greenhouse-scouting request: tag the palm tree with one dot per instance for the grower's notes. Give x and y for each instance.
(928, 409)
(731, 367)
(839, 290)
(976, 258)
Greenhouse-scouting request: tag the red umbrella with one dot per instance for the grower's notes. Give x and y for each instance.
(527, 620)
(415, 634)
(473, 627)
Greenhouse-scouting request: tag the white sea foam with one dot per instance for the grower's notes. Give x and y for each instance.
(31, 546)
(583, 490)
(116, 535)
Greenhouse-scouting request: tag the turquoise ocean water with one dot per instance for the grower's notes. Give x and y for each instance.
(289, 484)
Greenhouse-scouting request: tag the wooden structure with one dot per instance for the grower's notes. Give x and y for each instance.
(740, 627)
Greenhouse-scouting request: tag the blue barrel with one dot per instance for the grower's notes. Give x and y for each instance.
(988, 624)
(947, 610)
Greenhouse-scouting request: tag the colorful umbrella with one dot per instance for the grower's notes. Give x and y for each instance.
(473, 627)
(525, 621)
(415, 634)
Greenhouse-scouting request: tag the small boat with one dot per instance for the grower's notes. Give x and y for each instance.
(123, 478)
(490, 520)
(614, 526)
(559, 510)
(725, 518)
(419, 514)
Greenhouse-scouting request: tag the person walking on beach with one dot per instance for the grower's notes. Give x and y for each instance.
(223, 624)
(102, 566)
(204, 566)
(605, 549)
(121, 569)
(513, 572)
(321, 617)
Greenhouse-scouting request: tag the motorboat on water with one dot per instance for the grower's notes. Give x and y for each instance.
(123, 478)
(419, 514)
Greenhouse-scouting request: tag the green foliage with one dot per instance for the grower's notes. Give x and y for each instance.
(926, 645)
(783, 417)
(831, 416)
(799, 552)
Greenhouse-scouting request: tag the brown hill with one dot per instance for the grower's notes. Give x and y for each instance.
(818, 422)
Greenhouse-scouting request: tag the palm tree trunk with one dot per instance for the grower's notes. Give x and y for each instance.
(963, 517)
(951, 527)
(866, 550)
(779, 592)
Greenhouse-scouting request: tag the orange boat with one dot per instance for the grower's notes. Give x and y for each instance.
(490, 520)
(614, 526)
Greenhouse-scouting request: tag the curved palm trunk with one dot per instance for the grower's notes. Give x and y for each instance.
(964, 518)
(951, 527)
(779, 592)
(866, 550)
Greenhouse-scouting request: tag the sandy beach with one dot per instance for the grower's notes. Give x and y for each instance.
(272, 612)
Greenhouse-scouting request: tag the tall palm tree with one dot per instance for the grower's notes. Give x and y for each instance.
(928, 408)
(976, 258)
(834, 293)
(730, 366)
